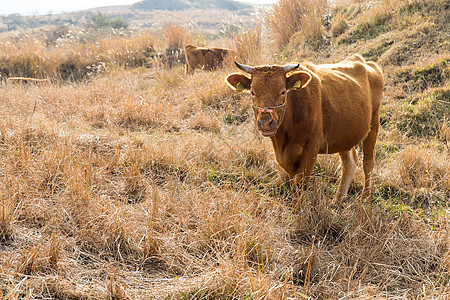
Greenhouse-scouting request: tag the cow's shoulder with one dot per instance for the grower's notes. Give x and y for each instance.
(343, 71)
(355, 58)
(189, 47)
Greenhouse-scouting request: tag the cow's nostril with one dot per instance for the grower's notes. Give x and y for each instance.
(265, 118)
(266, 121)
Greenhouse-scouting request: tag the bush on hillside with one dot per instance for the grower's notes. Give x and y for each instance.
(99, 20)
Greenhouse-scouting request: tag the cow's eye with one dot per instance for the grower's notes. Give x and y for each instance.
(253, 94)
(283, 93)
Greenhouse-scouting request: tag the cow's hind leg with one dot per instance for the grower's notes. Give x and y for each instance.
(369, 158)
(349, 163)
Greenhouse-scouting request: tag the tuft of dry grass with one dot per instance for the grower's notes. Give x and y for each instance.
(43, 258)
(248, 45)
(289, 17)
(6, 218)
(205, 121)
(339, 24)
(175, 36)
(422, 172)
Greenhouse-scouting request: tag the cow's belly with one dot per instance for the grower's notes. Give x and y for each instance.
(344, 138)
(345, 123)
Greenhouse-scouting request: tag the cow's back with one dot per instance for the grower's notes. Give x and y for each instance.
(346, 104)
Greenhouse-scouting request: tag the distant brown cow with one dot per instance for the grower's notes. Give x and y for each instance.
(311, 109)
(204, 58)
(26, 80)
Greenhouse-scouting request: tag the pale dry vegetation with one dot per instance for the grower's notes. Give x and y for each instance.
(147, 183)
(73, 56)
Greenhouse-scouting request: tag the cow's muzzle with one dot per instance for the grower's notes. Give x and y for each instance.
(267, 123)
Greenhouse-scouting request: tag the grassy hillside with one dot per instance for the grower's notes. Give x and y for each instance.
(138, 181)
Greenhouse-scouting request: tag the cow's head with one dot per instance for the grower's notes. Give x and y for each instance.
(269, 86)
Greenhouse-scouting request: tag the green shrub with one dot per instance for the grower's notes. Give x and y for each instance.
(101, 21)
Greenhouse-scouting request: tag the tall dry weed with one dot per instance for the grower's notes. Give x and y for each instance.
(43, 258)
(290, 17)
(175, 36)
(248, 45)
(7, 208)
(339, 24)
(420, 168)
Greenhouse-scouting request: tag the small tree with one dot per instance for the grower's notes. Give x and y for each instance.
(99, 20)
(118, 23)
(13, 21)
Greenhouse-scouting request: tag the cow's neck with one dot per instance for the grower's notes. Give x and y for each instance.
(295, 134)
(284, 147)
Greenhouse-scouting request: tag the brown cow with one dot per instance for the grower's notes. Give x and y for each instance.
(204, 58)
(317, 109)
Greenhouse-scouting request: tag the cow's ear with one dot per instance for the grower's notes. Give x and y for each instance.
(298, 80)
(238, 82)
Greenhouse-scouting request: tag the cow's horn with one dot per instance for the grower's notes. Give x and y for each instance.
(290, 67)
(244, 68)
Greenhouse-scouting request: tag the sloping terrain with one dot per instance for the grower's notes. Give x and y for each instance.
(410, 42)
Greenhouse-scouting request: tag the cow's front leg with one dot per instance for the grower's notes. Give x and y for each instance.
(301, 175)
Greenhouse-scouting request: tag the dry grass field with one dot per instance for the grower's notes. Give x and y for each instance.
(143, 182)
